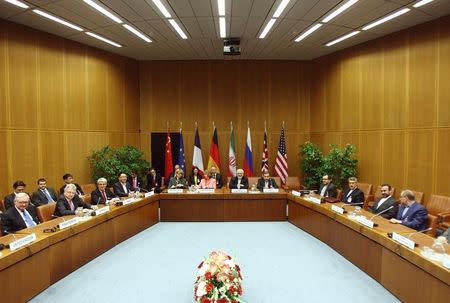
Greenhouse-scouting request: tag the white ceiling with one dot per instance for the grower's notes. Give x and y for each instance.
(245, 19)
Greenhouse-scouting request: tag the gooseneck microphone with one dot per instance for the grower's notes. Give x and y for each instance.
(382, 212)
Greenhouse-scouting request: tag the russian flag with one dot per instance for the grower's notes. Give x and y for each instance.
(248, 160)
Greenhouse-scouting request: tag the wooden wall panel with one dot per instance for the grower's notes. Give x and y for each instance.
(58, 101)
(442, 166)
(395, 102)
(422, 76)
(333, 95)
(238, 91)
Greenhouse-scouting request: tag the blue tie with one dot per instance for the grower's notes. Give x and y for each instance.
(405, 211)
(28, 220)
(47, 194)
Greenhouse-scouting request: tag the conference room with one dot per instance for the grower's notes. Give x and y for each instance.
(224, 150)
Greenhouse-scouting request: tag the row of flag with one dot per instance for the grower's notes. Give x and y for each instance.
(281, 166)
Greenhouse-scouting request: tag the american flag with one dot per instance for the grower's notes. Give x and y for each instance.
(281, 166)
(265, 154)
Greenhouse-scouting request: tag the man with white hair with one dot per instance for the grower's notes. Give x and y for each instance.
(21, 215)
(240, 181)
(69, 201)
(102, 193)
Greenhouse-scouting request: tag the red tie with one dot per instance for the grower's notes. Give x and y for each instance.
(134, 182)
(104, 195)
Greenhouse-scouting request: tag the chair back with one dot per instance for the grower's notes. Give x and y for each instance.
(45, 212)
(2, 205)
(438, 204)
(366, 188)
(88, 188)
(293, 183)
(419, 196)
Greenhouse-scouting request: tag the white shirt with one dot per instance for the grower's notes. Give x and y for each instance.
(382, 200)
(324, 189)
(239, 183)
(124, 186)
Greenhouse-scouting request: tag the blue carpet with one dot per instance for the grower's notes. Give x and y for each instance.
(279, 262)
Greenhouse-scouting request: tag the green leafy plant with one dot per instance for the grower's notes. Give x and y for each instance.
(108, 162)
(339, 164)
(311, 164)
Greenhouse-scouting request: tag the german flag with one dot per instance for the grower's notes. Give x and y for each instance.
(214, 154)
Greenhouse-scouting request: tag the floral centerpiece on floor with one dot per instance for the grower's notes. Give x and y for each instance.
(219, 280)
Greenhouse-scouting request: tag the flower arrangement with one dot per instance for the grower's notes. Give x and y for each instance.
(219, 280)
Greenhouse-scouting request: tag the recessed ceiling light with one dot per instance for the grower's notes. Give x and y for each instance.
(162, 8)
(137, 33)
(340, 10)
(421, 3)
(387, 18)
(280, 8)
(177, 28)
(308, 32)
(267, 28)
(222, 27)
(221, 7)
(103, 10)
(103, 39)
(56, 19)
(343, 38)
(18, 3)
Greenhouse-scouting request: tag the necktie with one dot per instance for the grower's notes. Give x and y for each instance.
(28, 220)
(47, 194)
(134, 182)
(104, 195)
(72, 208)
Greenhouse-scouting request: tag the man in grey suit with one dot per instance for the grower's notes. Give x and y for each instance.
(385, 202)
(327, 189)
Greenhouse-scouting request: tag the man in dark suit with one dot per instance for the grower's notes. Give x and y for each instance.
(69, 201)
(240, 181)
(122, 188)
(154, 180)
(44, 194)
(327, 189)
(21, 215)
(68, 179)
(353, 195)
(385, 202)
(102, 193)
(19, 187)
(214, 174)
(266, 181)
(410, 213)
(135, 181)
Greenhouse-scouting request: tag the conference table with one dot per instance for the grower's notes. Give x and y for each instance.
(27, 271)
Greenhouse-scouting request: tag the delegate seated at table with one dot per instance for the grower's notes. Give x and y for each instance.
(266, 181)
(69, 201)
(178, 181)
(207, 181)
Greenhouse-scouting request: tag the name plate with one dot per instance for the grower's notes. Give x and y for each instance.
(149, 194)
(296, 193)
(22, 242)
(175, 191)
(403, 240)
(313, 200)
(206, 190)
(337, 209)
(271, 190)
(366, 222)
(239, 191)
(68, 223)
(101, 211)
(127, 201)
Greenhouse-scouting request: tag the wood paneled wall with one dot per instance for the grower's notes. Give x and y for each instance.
(59, 100)
(391, 98)
(224, 91)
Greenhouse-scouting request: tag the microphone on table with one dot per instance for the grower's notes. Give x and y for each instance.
(382, 212)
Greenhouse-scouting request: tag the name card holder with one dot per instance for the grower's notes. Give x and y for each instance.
(337, 209)
(366, 222)
(149, 194)
(175, 191)
(313, 200)
(68, 223)
(271, 190)
(206, 190)
(296, 193)
(101, 211)
(127, 201)
(22, 242)
(239, 191)
(403, 240)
